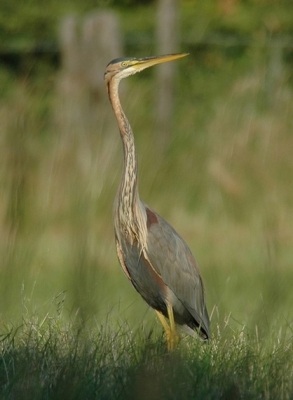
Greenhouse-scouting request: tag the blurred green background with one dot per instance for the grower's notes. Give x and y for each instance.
(224, 181)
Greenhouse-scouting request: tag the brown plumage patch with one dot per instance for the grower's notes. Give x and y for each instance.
(151, 218)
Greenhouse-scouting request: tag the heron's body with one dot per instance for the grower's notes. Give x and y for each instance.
(153, 256)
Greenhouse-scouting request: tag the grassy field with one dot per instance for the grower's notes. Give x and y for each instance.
(71, 325)
(45, 359)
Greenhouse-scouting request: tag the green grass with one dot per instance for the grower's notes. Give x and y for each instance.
(46, 359)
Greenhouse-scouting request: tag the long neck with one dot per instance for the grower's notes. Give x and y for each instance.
(127, 196)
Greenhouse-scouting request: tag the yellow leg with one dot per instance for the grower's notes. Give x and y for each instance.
(163, 321)
(174, 338)
(170, 330)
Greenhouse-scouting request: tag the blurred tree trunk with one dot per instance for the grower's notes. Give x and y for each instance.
(80, 87)
(167, 42)
(85, 122)
(83, 116)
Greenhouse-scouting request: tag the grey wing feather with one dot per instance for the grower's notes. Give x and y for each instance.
(173, 260)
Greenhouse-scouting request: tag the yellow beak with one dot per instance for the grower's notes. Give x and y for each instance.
(146, 62)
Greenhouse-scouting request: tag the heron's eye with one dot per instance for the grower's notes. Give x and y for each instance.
(124, 64)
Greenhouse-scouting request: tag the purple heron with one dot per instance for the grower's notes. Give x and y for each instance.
(152, 254)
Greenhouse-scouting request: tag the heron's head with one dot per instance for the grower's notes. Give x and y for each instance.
(122, 67)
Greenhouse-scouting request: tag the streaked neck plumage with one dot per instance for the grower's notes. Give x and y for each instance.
(127, 200)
